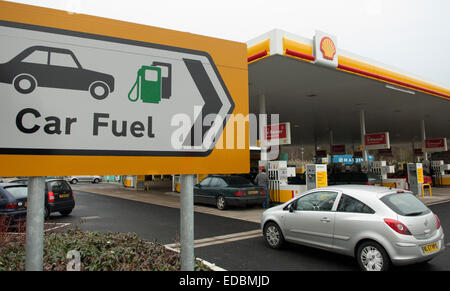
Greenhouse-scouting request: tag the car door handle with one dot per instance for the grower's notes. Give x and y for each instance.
(325, 220)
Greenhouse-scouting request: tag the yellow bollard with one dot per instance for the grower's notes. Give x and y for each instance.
(423, 189)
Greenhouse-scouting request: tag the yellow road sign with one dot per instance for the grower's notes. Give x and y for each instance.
(420, 175)
(88, 95)
(322, 180)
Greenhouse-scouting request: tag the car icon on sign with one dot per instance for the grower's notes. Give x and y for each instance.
(42, 66)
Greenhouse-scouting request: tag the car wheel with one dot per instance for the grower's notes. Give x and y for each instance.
(221, 203)
(273, 235)
(65, 212)
(25, 84)
(371, 256)
(46, 213)
(73, 181)
(99, 90)
(96, 181)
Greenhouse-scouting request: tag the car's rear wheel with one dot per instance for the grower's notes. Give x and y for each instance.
(96, 181)
(24, 84)
(99, 90)
(221, 203)
(46, 213)
(273, 235)
(371, 256)
(73, 181)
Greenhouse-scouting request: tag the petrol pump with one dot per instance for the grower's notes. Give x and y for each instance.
(316, 176)
(376, 168)
(279, 189)
(382, 169)
(415, 178)
(129, 181)
(438, 170)
(365, 166)
(446, 176)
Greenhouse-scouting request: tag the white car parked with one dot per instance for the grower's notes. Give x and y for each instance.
(92, 179)
(377, 225)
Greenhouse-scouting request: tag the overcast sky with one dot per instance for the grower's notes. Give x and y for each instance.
(412, 35)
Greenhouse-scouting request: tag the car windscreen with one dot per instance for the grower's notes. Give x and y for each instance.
(237, 181)
(18, 192)
(405, 204)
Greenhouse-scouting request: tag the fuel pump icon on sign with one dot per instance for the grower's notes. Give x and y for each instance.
(153, 83)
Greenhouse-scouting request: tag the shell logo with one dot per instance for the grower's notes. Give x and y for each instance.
(327, 48)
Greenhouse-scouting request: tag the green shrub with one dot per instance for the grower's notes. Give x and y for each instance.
(98, 251)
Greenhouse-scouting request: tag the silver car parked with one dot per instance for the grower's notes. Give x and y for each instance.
(376, 225)
(92, 179)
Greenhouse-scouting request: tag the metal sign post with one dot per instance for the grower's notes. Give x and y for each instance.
(35, 224)
(187, 222)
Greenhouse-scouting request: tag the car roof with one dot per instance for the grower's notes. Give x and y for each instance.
(227, 176)
(25, 179)
(11, 184)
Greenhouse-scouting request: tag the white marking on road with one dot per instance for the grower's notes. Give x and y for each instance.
(222, 239)
(437, 202)
(90, 217)
(227, 240)
(56, 225)
(208, 264)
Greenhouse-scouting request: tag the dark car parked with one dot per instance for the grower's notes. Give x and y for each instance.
(41, 66)
(358, 178)
(224, 191)
(13, 203)
(58, 196)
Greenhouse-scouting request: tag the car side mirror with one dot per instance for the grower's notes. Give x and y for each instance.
(291, 207)
(198, 185)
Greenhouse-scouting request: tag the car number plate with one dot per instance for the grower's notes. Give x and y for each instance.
(430, 248)
(253, 192)
(63, 195)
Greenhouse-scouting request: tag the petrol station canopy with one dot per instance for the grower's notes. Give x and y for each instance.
(316, 97)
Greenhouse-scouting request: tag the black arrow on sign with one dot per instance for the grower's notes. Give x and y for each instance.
(213, 104)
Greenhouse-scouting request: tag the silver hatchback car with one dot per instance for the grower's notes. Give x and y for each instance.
(377, 225)
(92, 179)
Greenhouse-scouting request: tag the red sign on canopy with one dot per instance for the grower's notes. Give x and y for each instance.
(278, 133)
(376, 141)
(436, 145)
